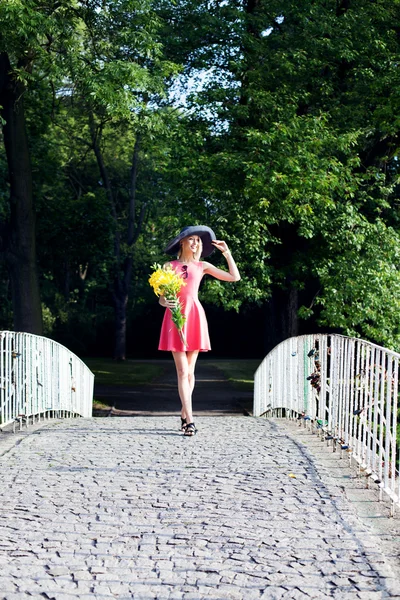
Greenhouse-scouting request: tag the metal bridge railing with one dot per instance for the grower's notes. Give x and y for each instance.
(344, 388)
(41, 378)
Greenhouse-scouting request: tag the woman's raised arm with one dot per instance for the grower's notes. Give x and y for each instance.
(233, 274)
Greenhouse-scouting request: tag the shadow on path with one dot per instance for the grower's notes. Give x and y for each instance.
(213, 395)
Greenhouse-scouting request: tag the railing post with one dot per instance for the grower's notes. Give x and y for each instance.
(37, 379)
(347, 389)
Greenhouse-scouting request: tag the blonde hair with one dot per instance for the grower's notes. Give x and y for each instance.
(197, 254)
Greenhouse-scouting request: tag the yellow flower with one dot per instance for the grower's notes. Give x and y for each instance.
(166, 282)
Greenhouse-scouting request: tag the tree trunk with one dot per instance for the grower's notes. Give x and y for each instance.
(291, 318)
(20, 243)
(282, 321)
(123, 269)
(122, 284)
(120, 297)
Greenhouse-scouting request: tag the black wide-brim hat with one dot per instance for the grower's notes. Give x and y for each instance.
(205, 233)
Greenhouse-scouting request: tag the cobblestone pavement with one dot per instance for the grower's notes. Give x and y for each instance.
(128, 508)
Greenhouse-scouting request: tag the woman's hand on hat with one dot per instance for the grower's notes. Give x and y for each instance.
(220, 245)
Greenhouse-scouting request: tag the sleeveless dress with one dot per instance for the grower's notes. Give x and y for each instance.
(195, 329)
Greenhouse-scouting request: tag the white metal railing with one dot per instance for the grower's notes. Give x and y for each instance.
(39, 377)
(347, 389)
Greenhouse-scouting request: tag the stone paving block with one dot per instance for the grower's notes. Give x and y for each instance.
(175, 595)
(119, 589)
(272, 593)
(61, 596)
(126, 508)
(230, 592)
(22, 596)
(209, 593)
(7, 585)
(83, 587)
(169, 578)
(295, 594)
(208, 579)
(83, 575)
(339, 594)
(58, 571)
(370, 595)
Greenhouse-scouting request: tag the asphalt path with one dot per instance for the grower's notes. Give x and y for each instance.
(213, 395)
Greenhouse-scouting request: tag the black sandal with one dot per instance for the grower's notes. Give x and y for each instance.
(183, 424)
(190, 429)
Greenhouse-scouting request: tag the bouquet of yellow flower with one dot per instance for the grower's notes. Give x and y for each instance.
(166, 282)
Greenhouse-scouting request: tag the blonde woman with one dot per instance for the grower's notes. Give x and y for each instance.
(190, 246)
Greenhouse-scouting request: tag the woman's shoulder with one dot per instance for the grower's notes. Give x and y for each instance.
(199, 264)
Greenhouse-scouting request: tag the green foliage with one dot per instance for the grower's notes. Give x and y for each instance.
(93, 72)
(361, 280)
(104, 51)
(288, 149)
(297, 142)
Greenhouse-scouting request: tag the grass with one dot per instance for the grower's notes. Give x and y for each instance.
(240, 372)
(125, 373)
(100, 408)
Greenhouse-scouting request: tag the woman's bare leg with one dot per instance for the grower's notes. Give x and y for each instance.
(192, 358)
(185, 363)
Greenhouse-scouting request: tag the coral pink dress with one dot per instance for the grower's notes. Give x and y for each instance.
(195, 329)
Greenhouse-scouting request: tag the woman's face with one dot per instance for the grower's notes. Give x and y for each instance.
(190, 243)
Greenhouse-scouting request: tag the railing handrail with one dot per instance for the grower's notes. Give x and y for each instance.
(41, 377)
(347, 388)
(337, 335)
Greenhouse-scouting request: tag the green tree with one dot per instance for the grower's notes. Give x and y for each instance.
(104, 58)
(107, 163)
(300, 131)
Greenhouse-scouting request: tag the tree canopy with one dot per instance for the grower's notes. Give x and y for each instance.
(276, 123)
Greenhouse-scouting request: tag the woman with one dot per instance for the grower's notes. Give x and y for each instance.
(190, 245)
